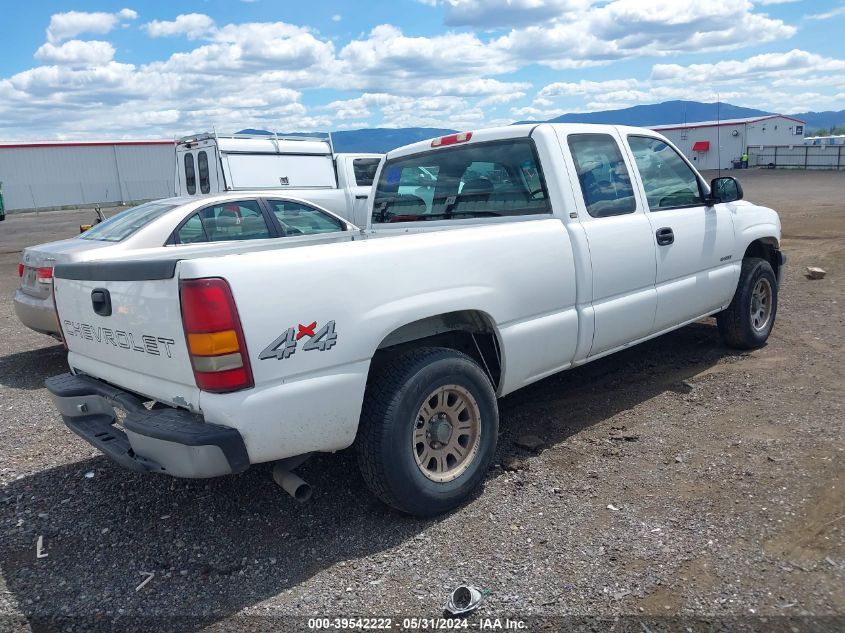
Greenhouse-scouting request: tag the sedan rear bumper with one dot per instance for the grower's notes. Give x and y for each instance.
(37, 314)
(171, 441)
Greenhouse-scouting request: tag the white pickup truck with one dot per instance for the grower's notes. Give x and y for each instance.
(300, 166)
(491, 260)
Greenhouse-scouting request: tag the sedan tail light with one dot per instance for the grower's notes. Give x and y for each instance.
(44, 275)
(214, 336)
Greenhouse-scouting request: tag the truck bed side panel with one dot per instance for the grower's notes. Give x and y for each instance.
(520, 275)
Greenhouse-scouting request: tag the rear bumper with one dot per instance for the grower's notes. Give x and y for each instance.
(36, 314)
(170, 441)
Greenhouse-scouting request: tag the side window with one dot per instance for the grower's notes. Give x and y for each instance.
(237, 220)
(192, 231)
(667, 179)
(604, 179)
(202, 165)
(365, 170)
(190, 174)
(299, 219)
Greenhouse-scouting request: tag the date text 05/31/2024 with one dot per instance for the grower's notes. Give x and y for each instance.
(416, 624)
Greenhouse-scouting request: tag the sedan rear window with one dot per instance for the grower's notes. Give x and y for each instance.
(463, 181)
(125, 223)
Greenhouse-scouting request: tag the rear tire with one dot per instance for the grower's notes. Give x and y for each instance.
(747, 322)
(428, 430)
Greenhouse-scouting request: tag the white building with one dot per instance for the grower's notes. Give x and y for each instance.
(49, 174)
(711, 144)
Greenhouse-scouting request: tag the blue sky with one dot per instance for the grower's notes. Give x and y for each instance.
(158, 69)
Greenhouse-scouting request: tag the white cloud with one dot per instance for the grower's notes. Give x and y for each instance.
(497, 13)
(787, 82)
(756, 67)
(67, 25)
(388, 59)
(827, 15)
(76, 52)
(401, 111)
(257, 74)
(191, 25)
(624, 29)
(337, 17)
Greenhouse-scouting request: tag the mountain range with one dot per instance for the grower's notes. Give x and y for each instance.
(386, 139)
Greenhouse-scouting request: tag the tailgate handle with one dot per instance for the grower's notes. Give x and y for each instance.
(101, 301)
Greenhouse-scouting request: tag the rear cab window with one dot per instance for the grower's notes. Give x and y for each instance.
(495, 178)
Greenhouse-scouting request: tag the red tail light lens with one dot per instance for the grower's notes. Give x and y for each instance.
(214, 337)
(44, 275)
(20, 270)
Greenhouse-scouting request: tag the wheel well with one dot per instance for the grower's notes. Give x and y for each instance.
(764, 248)
(468, 331)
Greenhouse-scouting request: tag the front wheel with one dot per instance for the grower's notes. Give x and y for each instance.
(428, 430)
(747, 322)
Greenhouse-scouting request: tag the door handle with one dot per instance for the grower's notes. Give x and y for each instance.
(665, 236)
(361, 197)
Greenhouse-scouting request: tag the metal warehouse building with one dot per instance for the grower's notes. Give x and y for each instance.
(715, 144)
(52, 174)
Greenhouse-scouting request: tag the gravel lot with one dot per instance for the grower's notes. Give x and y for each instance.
(678, 478)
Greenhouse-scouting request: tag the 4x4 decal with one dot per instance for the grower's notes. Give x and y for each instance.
(285, 346)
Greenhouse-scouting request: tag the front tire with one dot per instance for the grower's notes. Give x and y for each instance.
(747, 322)
(428, 430)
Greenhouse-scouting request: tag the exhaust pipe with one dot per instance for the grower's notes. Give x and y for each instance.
(291, 483)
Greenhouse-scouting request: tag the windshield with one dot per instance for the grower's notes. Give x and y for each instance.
(125, 223)
(479, 180)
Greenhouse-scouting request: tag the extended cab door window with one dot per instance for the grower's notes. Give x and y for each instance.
(668, 181)
(299, 219)
(602, 174)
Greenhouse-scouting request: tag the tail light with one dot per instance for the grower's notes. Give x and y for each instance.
(44, 275)
(20, 270)
(214, 336)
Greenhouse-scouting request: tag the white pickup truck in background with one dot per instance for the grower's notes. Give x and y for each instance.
(302, 167)
(491, 260)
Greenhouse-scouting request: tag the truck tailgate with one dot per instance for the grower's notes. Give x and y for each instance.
(123, 324)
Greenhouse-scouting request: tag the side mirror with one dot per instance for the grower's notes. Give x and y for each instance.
(725, 189)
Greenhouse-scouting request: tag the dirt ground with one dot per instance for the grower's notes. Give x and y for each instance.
(677, 479)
